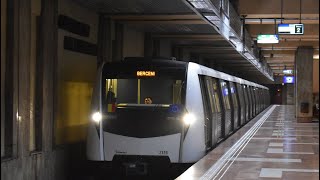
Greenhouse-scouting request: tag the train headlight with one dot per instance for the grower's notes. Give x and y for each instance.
(188, 119)
(96, 117)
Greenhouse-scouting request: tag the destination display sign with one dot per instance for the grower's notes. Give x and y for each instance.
(146, 73)
(290, 29)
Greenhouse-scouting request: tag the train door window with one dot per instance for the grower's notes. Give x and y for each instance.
(216, 95)
(225, 95)
(210, 91)
(248, 102)
(240, 95)
(254, 100)
(241, 103)
(233, 94)
(259, 99)
(217, 117)
(235, 103)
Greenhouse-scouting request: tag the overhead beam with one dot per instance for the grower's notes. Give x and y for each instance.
(227, 61)
(158, 18)
(207, 37)
(177, 21)
(211, 51)
(284, 16)
(239, 65)
(137, 17)
(279, 64)
(284, 21)
(280, 59)
(206, 47)
(272, 7)
(291, 44)
(221, 56)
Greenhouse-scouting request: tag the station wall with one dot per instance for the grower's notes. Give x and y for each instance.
(76, 76)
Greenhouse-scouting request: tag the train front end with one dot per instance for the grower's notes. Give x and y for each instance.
(135, 136)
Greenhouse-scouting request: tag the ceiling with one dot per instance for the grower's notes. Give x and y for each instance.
(187, 30)
(261, 16)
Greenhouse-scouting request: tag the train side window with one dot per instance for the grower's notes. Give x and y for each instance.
(210, 93)
(225, 94)
(233, 94)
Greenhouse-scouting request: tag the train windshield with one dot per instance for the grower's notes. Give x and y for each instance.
(143, 102)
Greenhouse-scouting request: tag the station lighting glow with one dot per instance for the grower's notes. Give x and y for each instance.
(316, 56)
(267, 38)
(288, 79)
(287, 71)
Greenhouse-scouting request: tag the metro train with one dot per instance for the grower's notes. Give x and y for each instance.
(194, 108)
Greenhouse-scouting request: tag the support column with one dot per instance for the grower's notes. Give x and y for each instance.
(24, 77)
(48, 44)
(303, 83)
(117, 45)
(104, 45)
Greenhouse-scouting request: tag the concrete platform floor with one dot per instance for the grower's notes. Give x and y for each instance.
(271, 146)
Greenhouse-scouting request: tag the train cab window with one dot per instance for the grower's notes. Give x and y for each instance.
(225, 94)
(133, 91)
(124, 90)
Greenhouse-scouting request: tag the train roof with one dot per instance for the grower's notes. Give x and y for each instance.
(217, 74)
(161, 61)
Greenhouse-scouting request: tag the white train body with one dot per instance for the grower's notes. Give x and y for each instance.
(187, 145)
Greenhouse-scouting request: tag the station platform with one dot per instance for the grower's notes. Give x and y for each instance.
(271, 146)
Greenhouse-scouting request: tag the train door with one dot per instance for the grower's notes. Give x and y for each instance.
(242, 104)
(218, 122)
(212, 109)
(207, 107)
(254, 104)
(235, 105)
(260, 96)
(246, 100)
(226, 107)
(247, 91)
(258, 101)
